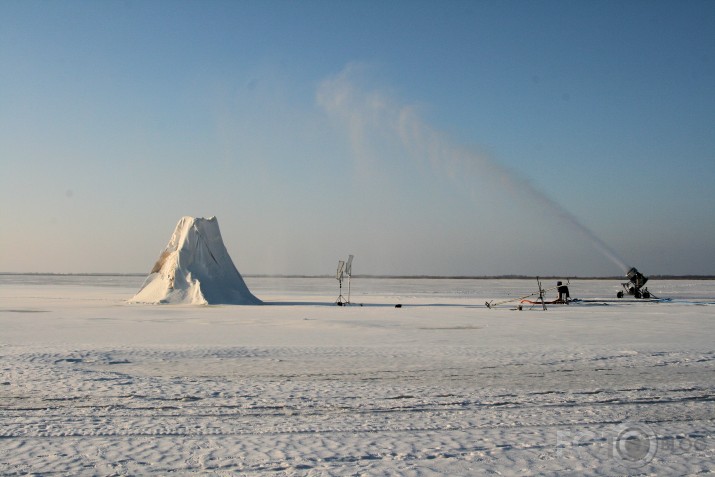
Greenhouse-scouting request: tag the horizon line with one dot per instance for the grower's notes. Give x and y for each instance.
(378, 276)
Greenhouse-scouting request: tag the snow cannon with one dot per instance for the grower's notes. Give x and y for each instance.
(635, 285)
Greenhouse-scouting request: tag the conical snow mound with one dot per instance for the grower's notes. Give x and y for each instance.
(195, 268)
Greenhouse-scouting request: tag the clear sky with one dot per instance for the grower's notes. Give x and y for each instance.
(425, 137)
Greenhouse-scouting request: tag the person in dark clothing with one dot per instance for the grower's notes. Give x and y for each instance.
(563, 293)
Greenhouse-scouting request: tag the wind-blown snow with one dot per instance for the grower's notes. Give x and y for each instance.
(195, 268)
(91, 386)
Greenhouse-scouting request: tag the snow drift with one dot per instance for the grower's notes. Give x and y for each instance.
(195, 268)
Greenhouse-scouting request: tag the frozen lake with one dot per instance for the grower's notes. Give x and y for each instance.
(442, 385)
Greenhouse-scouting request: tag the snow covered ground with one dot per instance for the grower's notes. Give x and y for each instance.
(91, 385)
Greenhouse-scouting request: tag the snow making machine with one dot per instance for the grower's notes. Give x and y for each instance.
(635, 285)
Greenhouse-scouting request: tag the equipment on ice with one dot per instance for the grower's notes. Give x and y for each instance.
(564, 294)
(635, 285)
(525, 299)
(344, 269)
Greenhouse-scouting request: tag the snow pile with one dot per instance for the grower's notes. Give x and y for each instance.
(195, 268)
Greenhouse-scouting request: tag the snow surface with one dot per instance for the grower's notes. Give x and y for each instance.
(195, 268)
(443, 385)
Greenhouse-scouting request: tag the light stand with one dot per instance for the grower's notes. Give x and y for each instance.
(341, 301)
(349, 272)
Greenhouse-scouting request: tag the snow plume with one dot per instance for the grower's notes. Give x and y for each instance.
(371, 116)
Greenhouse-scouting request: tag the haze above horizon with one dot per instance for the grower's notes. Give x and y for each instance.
(426, 138)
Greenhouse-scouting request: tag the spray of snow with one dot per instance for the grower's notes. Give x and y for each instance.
(367, 114)
(195, 268)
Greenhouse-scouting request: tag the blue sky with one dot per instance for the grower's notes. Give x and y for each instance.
(449, 138)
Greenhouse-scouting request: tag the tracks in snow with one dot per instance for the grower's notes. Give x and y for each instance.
(267, 409)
